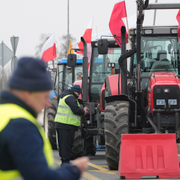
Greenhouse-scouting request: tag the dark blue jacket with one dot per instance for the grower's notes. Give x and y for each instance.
(21, 147)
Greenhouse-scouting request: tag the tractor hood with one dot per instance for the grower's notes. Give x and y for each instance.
(163, 87)
(164, 78)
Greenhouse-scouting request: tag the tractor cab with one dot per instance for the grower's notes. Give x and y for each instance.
(65, 78)
(159, 56)
(102, 66)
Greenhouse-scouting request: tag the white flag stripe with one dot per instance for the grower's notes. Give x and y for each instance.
(90, 24)
(49, 43)
(118, 1)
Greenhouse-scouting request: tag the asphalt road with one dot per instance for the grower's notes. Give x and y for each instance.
(98, 169)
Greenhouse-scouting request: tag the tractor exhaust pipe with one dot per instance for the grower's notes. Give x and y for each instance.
(85, 72)
(124, 63)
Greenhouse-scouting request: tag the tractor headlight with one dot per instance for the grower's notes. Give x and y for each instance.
(160, 102)
(172, 101)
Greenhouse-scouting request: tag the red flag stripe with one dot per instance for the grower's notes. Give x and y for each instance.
(87, 36)
(48, 51)
(116, 19)
(49, 54)
(178, 19)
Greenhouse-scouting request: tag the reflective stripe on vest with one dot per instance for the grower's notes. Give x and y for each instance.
(65, 115)
(18, 112)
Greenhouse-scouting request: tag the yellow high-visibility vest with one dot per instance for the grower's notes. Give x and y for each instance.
(18, 112)
(65, 115)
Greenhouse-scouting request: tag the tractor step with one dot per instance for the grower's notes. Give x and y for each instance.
(148, 155)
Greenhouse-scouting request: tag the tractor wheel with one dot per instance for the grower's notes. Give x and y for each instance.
(116, 123)
(49, 116)
(90, 145)
(77, 149)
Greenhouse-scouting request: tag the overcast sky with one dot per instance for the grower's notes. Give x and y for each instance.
(28, 19)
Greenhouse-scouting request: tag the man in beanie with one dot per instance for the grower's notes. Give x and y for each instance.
(25, 153)
(67, 120)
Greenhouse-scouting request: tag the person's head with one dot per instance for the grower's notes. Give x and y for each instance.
(107, 59)
(31, 82)
(76, 89)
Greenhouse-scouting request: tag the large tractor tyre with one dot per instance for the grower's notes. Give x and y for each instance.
(49, 125)
(90, 145)
(116, 123)
(77, 149)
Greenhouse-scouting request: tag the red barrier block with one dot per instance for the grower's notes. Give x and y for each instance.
(148, 156)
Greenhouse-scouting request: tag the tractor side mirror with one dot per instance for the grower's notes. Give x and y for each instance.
(71, 61)
(103, 46)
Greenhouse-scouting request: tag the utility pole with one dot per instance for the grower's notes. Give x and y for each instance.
(2, 65)
(155, 15)
(67, 25)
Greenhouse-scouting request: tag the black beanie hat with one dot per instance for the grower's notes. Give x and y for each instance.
(31, 75)
(76, 88)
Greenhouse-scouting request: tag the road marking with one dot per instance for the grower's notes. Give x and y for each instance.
(85, 174)
(90, 176)
(104, 166)
(101, 169)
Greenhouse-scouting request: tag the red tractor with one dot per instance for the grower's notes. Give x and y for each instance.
(135, 91)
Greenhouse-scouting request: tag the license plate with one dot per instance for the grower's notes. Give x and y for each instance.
(160, 102)
(172, 101)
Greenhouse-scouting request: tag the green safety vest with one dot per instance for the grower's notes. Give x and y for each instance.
(65, 115)
(18, 112)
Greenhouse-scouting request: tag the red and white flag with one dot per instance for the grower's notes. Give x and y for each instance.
(48, 51)
(87, 36)
(118, 19)
(178, 19)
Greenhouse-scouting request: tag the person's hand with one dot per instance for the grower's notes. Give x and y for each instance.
(85, 110)
(81, 163)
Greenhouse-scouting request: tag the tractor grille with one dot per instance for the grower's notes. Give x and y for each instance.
(166, 97)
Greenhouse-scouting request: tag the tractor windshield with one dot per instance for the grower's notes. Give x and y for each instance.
(77, 74)
(101, 64)
(65, 76)
(159, 53)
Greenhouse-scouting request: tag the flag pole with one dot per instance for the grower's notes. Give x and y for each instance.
(57, 65)
(128, 28)
(128, 33)
(155, 15)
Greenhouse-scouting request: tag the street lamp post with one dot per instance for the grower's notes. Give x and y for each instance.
(67, 25)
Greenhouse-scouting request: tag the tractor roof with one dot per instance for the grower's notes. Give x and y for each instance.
(156, 30)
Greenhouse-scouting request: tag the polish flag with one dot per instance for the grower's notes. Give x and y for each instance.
(48, 51)
(118, 19)
(87, 36)
(178, 19)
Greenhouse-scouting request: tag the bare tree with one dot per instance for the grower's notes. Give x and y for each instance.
(43, 38)
(63, 49)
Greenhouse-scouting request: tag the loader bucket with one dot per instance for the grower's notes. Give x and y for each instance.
(148, 156)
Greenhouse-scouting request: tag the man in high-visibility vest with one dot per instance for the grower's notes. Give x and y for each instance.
(67, 120)
(25, 152)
